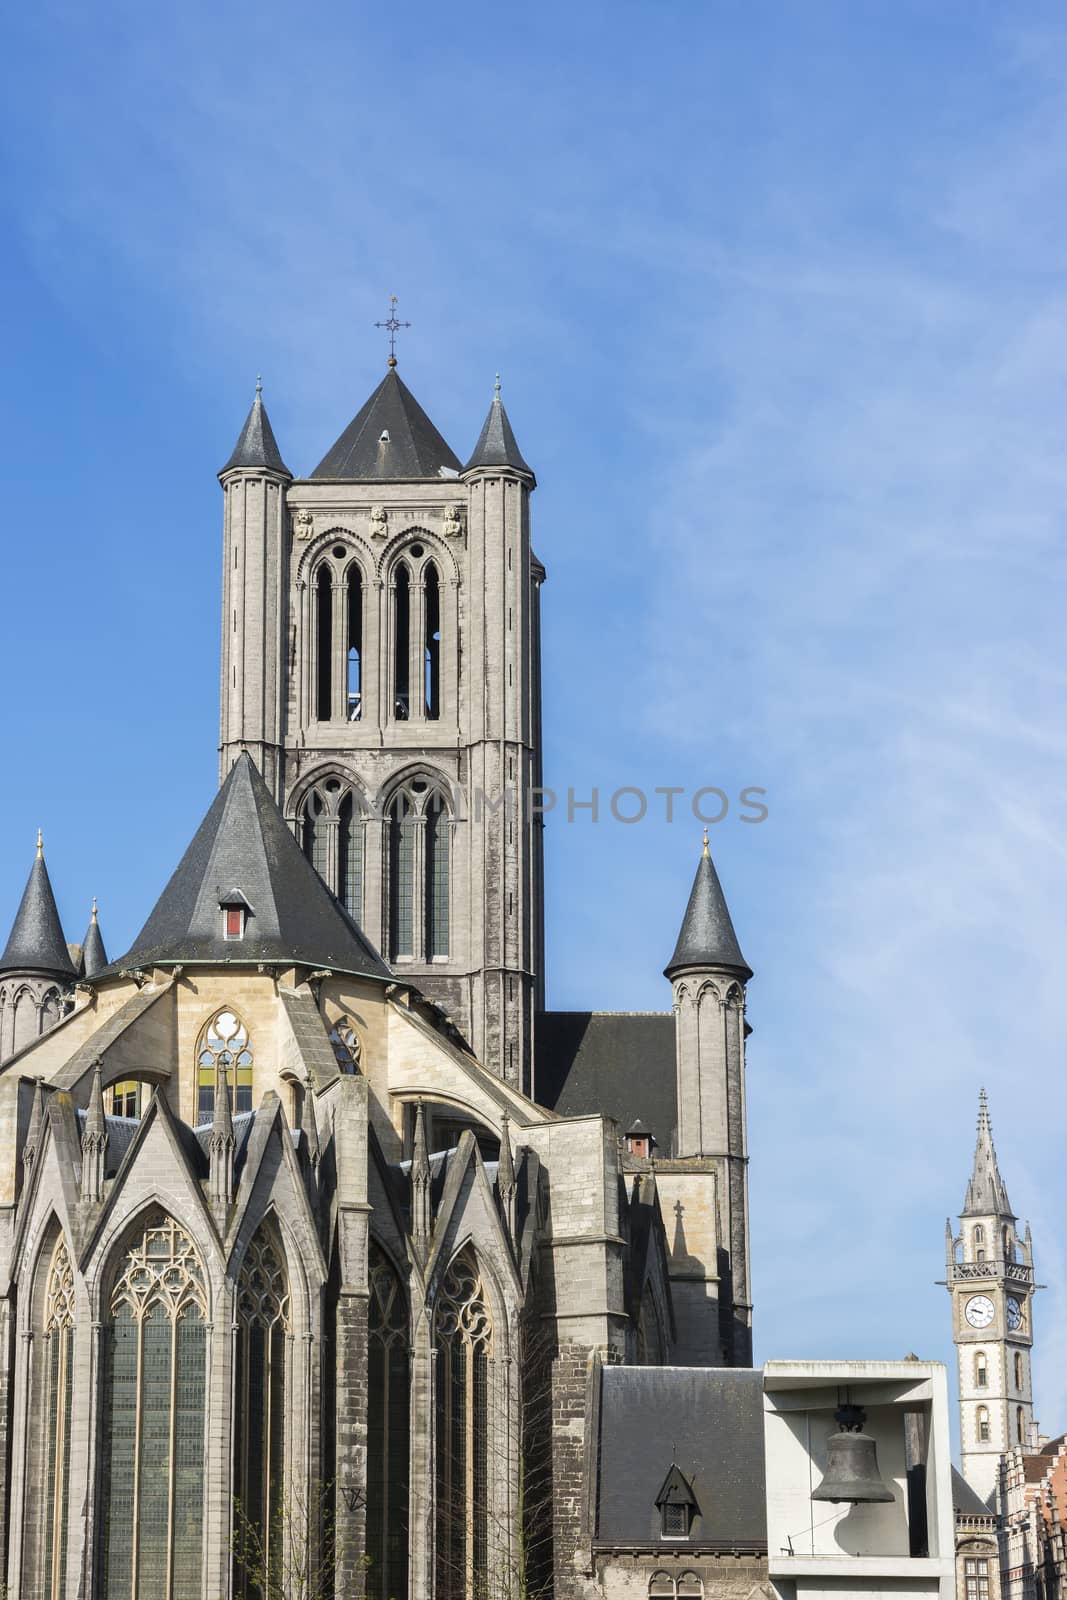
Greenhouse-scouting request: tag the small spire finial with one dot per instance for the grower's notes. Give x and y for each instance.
(92, 917)
(706, 851)
(259, 383)
(40, 844)
(392, 324)
(496, 388)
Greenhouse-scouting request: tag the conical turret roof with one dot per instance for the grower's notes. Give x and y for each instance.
(37, 943)
(707, 937)
(94, 956)
(245, 845)
(496, 445)
(987, 1195)
(391, 437)
(257, 446)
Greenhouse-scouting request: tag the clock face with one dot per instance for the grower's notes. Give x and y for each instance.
(979, 1311)
(1015, 1312)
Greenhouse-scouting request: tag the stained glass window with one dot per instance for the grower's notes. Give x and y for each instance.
(314, 835)
(225, 1044)
(259, 1413)
(59, 1368)
(387, 1433)
(347, 1047)
(463, 1337)
(154, 1401)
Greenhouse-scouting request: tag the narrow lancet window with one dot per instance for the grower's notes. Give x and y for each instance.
(463, 1340)
(354, 701)
(324, 643)
(350, 856)
(58, 1397)
(259, 1415)
(314, 833)
(437, 878)
(401, 877)
(401, 644)
(431, 594)
(387, 1432)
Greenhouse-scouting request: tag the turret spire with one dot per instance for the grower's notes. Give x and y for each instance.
(257, 446)
(94, 956)
(505, 1176)
(222, 1145)
(986, 1193)
(420, 1185)
(496, 445)
(707, 937)
(37, 943)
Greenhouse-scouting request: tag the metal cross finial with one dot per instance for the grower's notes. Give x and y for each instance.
(706, 852)
(40, 842)
(392, 323)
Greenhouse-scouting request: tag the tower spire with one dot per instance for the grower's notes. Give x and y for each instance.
(986, 1193)
(94, 1140)
(707, 937)
(37, 943)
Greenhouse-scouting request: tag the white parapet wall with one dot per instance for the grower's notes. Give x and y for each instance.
(821, 1551)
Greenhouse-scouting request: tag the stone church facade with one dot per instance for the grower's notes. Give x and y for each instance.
(321, 1241)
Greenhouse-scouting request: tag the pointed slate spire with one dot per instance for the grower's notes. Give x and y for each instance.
(94, 956)
(420, 1185)
(244, 844)
(94, 1141)
(986, 1194)
(222, 1144)
(257, 446)
(496, 445)
(33, 1132)
(389, 437)
(505, 1176)
(37, 943)
(707, 937)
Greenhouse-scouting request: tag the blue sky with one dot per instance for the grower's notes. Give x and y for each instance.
(777, 296)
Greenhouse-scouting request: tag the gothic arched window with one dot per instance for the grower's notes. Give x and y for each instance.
(983, 1425)
(981, 1371)
(259, 1410)
(690, 1586)
(402, 644)
(350, 856)
(1019, 1373)
(387, 1432)
(57, 1399)
(347, 1047)
(431, 617)
(661, 1586)
(1020, 1425)
(979, 1234)
(153, 1419)
(51, 1009)
(323, 643)
(224, 1046)
(463, 1341)
(354, 644)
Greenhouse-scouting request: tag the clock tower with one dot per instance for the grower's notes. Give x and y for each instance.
(990, 1277)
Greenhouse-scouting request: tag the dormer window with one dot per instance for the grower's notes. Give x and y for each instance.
(639, 1141)
(234, 909)
(677, 1505)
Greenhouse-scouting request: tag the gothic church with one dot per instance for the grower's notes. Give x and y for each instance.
(328, 1257)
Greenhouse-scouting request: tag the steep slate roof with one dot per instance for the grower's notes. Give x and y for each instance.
(94, 956)
(615, 1062)
(413, 448)
(244, 841)
(496, 445)
(966, 1500)
(707, 937)
(986, 1194)
(707, 1421)
(257, 446)
(37, 943)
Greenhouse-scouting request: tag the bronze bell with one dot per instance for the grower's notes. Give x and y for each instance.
(852, 1464)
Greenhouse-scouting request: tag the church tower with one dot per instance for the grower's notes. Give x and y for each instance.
(708, 975)
(381, 665)
(990, 1277)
